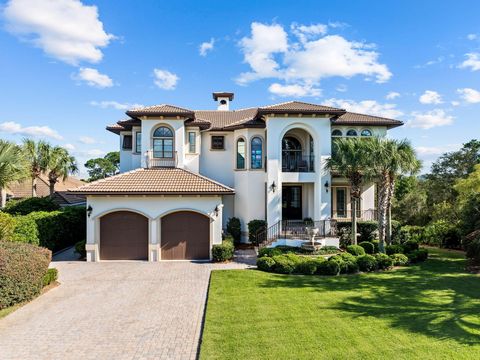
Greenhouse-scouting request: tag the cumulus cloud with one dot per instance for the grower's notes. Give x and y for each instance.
(114, 105)
(70, 147)
(206, 46)
(87, 140)
(66, 30)
(294, 90)
(14, 128)
(472, 62)
(370, 107)
(392, 95)
(426, 151)
(469, 95)
(430, 97)
(430, 119)
(165, 79)
(93, 78)
(306, 32)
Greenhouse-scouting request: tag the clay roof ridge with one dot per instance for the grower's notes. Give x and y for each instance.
(116, 176)
(207, 179)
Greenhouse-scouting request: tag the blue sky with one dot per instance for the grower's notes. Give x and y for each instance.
(69, 68)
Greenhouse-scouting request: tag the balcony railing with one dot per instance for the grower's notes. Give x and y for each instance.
(156, 162)
(346, 215)
(297, 162)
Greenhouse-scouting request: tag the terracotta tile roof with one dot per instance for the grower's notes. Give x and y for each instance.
(64, 198)
(23, 189)
(166, 181)
(158, 110)
(299, 107)
(220, 119)
(350, 118)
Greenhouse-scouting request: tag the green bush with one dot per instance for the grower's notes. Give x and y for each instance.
(80, 248)
(25, 230)
(356, 250)
(347, 256)
(270, 252)
(368, 230)
(234, 228)
(328, 268)
(347, 263)
(265, 263)
(253, 227)
(7, 226)
(341, 263)
(223, 252)
(399, 259)
(50, 276)
(410, 246)
(410, 232)
(471, 244)
(418, 255)
(22, 269)
(367, 263)
(443, 234)
(394, 249)
(384, 262)
(345, 236)
(306, 267)
(28, 205)
(368, 247)
(286, 264)
(396, 225)
(376, 244)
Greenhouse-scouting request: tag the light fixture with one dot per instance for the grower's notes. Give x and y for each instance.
(326, 186)
(273, 186)
(216, 210)
(89, 210)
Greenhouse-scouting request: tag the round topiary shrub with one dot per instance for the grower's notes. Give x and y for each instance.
(367, 263)
(339, 260)
(223, 252)
(368, 247)
(409, 246)
(394, 249)
(328, 268)
(265, 263)
(306, 267)
(351, 266)
(399, 259)
(384, 262)
(270, 252)
(347, 257)
(356, 250)
(418, 256)
(285, 264)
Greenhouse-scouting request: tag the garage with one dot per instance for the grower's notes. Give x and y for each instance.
(185, 235)
(123, 236)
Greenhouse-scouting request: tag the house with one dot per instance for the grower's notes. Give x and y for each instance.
(185, 172)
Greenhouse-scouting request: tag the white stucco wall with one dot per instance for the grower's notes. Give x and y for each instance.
(217, 164)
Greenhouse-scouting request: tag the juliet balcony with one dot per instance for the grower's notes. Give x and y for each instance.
(294, 161)
(170, 160)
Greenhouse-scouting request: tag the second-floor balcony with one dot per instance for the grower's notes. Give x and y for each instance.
(151, 161)
(295, 161)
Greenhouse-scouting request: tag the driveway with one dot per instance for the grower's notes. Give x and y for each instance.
(113, 310)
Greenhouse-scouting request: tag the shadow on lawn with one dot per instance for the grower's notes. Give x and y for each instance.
(435, 298)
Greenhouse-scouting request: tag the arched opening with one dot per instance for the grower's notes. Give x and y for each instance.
(366, 132)
(352, 132)
(163, 143)
(297, 151)
(240, 164)
(256, 147)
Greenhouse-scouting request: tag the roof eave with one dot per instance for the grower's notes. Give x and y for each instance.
(123, 193)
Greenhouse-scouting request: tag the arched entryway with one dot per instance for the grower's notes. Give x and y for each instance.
(185, 235)
(123, 236)
(297, 151)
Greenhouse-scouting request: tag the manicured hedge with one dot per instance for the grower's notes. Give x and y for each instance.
(28, 205)
(223, 252)
(355, 250)
(50, 276)
(399, 259)
(394, 249)
(384, 262)
(22, 271)
(367, 263)
(7, 226)
(26, 230)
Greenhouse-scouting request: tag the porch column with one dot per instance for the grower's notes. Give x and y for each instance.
(274, 197)
(153, 243)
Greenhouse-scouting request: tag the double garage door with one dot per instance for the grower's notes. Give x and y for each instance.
(185, 235)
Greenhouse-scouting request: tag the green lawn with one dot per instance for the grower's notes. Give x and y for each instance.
(429, 311)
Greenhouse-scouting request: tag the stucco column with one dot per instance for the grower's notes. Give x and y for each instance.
(153, 240)
(274, 198)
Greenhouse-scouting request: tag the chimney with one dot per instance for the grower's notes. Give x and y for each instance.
(223, 100)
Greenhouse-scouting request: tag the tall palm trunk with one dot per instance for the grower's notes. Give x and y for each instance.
(3, 197)
(391, 190)
(355, 195)
(52, 180)
(34, 186)
(383, 190)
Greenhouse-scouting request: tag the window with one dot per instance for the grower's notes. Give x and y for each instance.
(240, 154)
(366, 132)
(218, 143)
(351, 132)
(337, 132)
(138, 142)
(192, 141)
(163, 143)
(257, 157)
(127, 142)
(341, 202)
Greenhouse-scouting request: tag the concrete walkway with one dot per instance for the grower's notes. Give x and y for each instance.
(113, 310)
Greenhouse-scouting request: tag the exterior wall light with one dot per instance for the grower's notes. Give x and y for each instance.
(216, 210)
(89, 210)
(273, 186)
(326, 186)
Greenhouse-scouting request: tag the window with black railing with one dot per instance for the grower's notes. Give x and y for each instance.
(297, 161)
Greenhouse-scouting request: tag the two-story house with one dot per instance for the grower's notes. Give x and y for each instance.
(185, 172)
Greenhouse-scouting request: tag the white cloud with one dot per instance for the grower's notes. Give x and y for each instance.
(342, 88)
(426, 151)
(87, 140)
(67, 30)
(94, 153)
(370, 107)
(14, 128)
(472, 62)
(430, 119)
(471, 96)
(472, 36)
(392, 95)
(206, 46)
(305, 32)
(93, 78)
(294, 90)
(430, 97)
(455, 103)
(165, 79)
(115, 105)
(70, 147)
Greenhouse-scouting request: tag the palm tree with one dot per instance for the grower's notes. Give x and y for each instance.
(11, 167)
(34, 153)
(350, 159)
(59, 164)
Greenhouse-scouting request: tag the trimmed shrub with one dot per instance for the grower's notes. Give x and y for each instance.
(471, 244)
(25, 230)
(347, 256)
(368, 247)
(22, 269)
(234, 228)
(223, 252)
(253, 227)
(306, 267)
(368, 230)
(367, 263)
(410, 246)
(7, 226)
(356, 250)
(376, 244)
(270, 252)
(418, 255)
(285, 264)
(265, 263)
(384, 262)
(399, 259)
(50, 276)
(328, 268)
(394, 249)
(80, 248)
(396, 225)
(28, 205)
(341, 263)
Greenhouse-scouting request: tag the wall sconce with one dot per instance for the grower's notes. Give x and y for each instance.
(89, 210)
(326, 186)
(216, 210)
(273, 186)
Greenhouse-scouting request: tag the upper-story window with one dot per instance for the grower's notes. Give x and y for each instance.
(256, 160)
(163, 142)
(127, 142)
(138, 142)
(337, 133)
(192, 142)
(366, 132)
(241, 153)
(352, 132)
(218, 143)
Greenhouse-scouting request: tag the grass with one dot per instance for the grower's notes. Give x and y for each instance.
(426, 311)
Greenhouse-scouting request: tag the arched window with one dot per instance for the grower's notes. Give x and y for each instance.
(256, 160)
(291, 143)
(163, 142)
(366, 132)
(241, 153)
(352, 132)
(337, 133)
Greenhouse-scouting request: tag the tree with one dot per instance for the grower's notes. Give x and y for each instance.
(34, 153)
(351, 159)
(59, 164)
(12, 167)
(101, 168)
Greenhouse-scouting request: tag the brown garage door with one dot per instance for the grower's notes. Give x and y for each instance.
(185, 235)
(123, 236)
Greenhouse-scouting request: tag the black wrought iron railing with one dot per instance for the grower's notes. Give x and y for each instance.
(346, 215)
(293, 161)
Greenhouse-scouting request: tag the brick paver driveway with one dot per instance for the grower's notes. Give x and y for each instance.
(113, 310)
